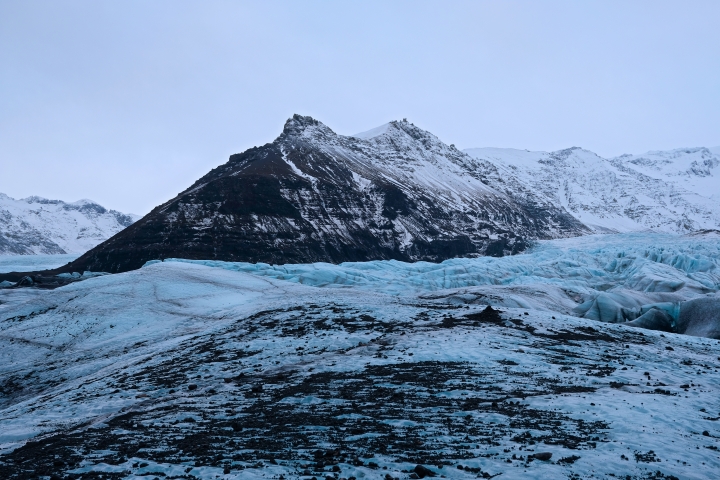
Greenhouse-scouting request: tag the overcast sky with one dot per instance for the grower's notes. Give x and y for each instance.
(128, 102)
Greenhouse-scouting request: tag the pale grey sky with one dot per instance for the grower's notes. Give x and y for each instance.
(128, 102)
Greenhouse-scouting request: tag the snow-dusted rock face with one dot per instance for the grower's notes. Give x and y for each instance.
(695, 170)
(396, 192)
(35, 225)
(675, 191)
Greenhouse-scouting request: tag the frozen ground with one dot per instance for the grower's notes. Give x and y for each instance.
(184, 370)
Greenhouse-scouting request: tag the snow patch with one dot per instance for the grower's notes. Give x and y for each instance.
(373, 132)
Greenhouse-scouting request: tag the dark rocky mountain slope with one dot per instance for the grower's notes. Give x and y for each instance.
(396, 192)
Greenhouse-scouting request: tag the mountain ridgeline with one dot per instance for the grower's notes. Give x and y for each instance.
(396, 192)
(38, 226)
(673, 191)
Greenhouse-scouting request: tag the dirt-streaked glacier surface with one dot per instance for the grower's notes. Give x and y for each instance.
(367, 370)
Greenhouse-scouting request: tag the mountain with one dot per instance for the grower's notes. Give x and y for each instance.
(675, 191)
(693, 169)
(35, 225)
(396, 192)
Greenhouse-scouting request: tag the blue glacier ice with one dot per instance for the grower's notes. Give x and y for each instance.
(610, 278)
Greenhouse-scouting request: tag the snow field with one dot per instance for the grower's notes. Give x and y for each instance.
(671, 191)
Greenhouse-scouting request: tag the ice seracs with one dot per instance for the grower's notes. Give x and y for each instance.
(645, 278)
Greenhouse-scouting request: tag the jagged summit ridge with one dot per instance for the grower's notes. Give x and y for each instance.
(314, 195)
(299, 125)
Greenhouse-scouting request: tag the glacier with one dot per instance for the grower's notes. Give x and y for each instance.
(201, 369)
(611, 278)
(30, 263)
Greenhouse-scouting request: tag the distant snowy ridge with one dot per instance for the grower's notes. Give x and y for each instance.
(667, 191)
(36, 225)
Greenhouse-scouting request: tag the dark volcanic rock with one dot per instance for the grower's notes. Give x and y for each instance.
(544, 456)
(422, 471)
(313, 195)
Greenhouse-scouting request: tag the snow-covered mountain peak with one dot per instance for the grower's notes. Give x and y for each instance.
(401, 144)
(83, 201)
(394, 126)
(512, 158)
(576, 155)
(313, 195)
(673, 191)
(306, 127)
(698, 161)
(37, 225)
(86, 206)
(695, 170)
(573, 158)
(377, 153)
(404, 134)
(389, 142)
